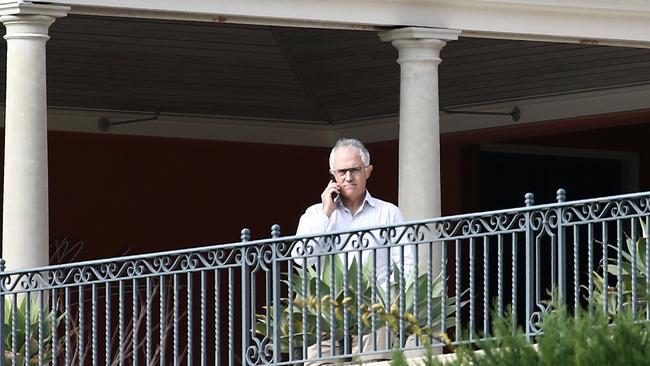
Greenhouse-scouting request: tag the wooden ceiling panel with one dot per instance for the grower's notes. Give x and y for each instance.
(316, 75)
(196, 68)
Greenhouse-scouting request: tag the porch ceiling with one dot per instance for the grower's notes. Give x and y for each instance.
(297, 74)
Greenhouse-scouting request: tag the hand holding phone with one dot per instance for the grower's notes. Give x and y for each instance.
(334, 194)
(329, 196)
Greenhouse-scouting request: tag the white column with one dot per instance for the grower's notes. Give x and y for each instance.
(25, 207)
(419, 120)
(419, 126)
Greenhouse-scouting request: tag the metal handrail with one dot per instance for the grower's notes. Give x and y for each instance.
(261, 301)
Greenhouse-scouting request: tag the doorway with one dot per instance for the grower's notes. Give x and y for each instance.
(508, 172)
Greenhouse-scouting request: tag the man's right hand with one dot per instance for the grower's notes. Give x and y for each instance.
(327, 198)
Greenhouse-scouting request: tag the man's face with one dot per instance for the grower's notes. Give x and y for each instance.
(350, 173)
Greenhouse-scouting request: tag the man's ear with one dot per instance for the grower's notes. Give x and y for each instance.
(368, 171)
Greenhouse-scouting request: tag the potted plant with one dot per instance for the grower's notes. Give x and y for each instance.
(308, 314)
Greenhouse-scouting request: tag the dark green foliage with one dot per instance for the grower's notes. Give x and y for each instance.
(579, 339)
(612, 336)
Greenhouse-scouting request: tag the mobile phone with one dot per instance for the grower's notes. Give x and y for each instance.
(334, 194)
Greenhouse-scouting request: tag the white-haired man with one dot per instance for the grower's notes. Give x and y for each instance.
(346, 205)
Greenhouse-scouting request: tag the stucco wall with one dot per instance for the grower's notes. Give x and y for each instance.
(142, 194)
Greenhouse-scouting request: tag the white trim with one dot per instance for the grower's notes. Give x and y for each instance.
(412, 33)
(212, 18)
(629, 160)
(385, 128)
(556, 107)
(193, 127)
(623, 22)
(27, 8)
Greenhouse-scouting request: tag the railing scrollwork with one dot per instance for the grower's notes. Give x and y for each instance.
(336, 288)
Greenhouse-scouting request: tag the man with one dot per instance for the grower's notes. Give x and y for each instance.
(346, 205)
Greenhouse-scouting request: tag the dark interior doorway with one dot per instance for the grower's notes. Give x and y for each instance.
(506, 176)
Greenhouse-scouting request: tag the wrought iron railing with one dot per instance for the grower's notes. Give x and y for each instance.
(335, 296)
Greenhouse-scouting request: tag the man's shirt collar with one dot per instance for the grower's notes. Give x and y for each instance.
(372, 201)
(367, 200)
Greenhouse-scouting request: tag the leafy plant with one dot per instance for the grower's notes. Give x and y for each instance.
(332, 298)
(26, 345)
(572, 340)
(634, 261)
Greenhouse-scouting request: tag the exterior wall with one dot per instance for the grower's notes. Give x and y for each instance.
(141, 194)
(619, 133)
(148, 194)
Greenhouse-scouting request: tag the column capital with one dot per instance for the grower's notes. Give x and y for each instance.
(17, 7)
(420, 45)
(24, 20)
(418, 33)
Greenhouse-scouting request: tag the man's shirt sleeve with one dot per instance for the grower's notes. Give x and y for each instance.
(313, 221)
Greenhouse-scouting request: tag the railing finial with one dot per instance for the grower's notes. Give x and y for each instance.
(529, 199)
(561, 195)
(245, 234)
(2, 265)
(275, 231)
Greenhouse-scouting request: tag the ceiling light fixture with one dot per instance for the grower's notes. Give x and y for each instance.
(515, 114)
(104, 124)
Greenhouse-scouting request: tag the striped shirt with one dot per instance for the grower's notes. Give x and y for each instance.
(373, 212)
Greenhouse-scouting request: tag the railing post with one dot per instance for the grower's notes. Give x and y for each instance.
(529, 200)
(247, 331)
(2, 312)
(561, 249)
(277, 346)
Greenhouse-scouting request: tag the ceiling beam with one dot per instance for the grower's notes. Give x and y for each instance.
(621, 23)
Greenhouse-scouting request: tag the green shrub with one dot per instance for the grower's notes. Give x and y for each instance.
(580, 339)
